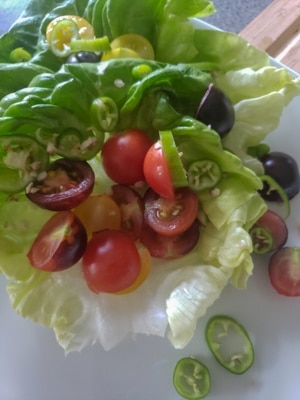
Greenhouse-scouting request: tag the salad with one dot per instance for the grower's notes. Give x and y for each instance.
(57, 112)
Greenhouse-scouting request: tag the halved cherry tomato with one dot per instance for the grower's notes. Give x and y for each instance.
(157, 173)
(269, 233)
(123, 156)
(144, 272)
(60, 243)
(65, 185)
(169, 247)
(284, 271)
(132, 210)
(99, 212)
(111, 262)
(171, 217)
(85, 29)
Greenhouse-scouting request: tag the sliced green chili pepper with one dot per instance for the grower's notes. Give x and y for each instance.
(230, 343)
(22, 159)
(203, 174)
(262, 240)
(19, 55)
(177, 171)
(105, 113)
(97, 45)
(191, 378)
(273, 185)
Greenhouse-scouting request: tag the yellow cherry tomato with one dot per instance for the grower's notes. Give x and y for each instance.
(99, 212)
(85, 29)
(61, 36)
(120, 53)
(137, 43)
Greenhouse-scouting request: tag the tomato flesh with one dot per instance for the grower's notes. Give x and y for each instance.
(66, 184)
(132, 210)
(111, 262)
(60, 243)
(284, 271)
(171, 217)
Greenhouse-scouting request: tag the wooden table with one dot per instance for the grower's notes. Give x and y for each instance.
(276, 30)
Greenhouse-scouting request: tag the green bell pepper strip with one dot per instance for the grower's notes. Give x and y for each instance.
(176, 168)
(230, 343)
(191, 378)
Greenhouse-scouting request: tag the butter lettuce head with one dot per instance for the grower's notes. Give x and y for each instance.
(178, 292)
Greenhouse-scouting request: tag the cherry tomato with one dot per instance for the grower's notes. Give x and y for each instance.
(171, 217)
(145, 257)
(65, 185)
(123, 156)
(60, 243)
(157, 173)
(85, 29)
(137, 43)
(284, 271)
(99, 212)
(269, 233)
(169, 247)
(132, 210)
(120, 52)
(111, 262)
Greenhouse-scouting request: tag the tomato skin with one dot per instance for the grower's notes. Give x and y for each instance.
(66, 185)
(111, 262)
(171, 217)
(156, 172)
(170, 247)
(132, 209)
(284, 271)
(60, 243)
(99, 212)
(123, 156)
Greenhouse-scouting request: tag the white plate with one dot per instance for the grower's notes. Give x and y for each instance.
(34, 367)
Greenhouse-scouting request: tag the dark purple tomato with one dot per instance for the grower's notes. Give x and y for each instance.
(284, 271)
(170, 247)
(216, 110)
(283, 169)
(269, 233)
(60, 243)
(132, 209)
(65, 185)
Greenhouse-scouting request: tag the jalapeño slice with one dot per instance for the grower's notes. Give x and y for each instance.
(230, 343)
(191, 378)
(176, 168)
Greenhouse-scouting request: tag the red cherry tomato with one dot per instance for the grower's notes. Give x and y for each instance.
(111, 262)
(65, 185)
(284, 271)
(156, 172)
(132, 209)
(60, 243)
(170, 247)
(123, 156)
(171, 217)
(269, 233)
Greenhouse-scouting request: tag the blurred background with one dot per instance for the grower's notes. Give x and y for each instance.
(231, 15)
